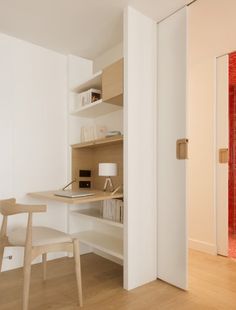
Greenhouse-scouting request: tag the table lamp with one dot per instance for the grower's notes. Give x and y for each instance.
(107, 170)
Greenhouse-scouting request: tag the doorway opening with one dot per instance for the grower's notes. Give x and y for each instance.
(232, 157)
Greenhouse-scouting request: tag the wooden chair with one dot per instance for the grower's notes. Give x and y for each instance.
(36, 241)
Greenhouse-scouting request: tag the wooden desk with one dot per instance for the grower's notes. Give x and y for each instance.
(99, 196)
(96, 239)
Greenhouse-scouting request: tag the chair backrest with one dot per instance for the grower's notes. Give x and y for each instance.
(10, 207)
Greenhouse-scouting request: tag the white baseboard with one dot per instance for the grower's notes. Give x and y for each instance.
(109, 257)
(202, 246)
(17, 258)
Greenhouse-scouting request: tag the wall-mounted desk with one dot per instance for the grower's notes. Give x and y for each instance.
(99, 196)
(97, 238)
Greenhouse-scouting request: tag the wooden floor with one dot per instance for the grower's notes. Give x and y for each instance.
(212, 285)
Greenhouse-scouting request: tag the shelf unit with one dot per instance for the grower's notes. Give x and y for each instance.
(101, 241)
(100, 142)
(95, 215)
(86, 221)
(110, 81)
(96, 109)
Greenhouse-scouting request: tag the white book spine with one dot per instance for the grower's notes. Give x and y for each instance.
(113, 210)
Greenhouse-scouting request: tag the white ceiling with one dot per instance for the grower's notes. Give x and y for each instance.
(85, 28)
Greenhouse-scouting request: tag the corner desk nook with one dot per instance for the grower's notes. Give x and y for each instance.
(98, 232)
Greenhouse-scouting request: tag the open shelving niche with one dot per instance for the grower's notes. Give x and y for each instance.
(95, 81)
(109, 244)
(94, 231)
(97, 108)
(94, 214)
(97, 232)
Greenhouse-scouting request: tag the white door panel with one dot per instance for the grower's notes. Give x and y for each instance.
(171, 228)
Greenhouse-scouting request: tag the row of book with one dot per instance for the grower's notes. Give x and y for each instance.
(113, 210)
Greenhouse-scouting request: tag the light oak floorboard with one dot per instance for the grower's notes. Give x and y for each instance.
(212, 285)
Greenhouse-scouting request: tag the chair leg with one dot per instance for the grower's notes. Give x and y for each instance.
(44, 260)
(27, 273)
(1, 256)
(78, 271)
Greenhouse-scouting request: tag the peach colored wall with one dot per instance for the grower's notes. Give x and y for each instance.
(212, 32)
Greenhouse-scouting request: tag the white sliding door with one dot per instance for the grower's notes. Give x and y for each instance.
(171, 196)
(140, 36)
(222, 127)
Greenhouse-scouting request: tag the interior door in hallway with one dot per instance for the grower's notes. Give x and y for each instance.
(172, 167)
(222, 142)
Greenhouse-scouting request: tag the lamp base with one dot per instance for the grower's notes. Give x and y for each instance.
(108, 185)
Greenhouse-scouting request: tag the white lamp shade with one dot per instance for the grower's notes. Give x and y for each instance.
(107, 169)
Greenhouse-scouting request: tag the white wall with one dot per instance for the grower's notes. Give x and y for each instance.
(79, 70)
(33, 128)
(212, 25)
(107, 58)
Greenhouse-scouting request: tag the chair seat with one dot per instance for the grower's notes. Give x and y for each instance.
(40, 236)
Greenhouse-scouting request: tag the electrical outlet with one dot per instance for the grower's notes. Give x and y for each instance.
(84, 184)
(10, 257)
(85, 173)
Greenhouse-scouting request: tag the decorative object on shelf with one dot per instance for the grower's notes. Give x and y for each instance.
(113, 133)
(100, 132)
(87, 97)
(107, 170)
(90, 133)
(87, 133)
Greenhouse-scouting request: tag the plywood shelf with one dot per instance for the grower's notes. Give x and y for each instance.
(96, 109)
(110, 82)
(103, 242)
(94, 82)
(95, 215)
(96, 143)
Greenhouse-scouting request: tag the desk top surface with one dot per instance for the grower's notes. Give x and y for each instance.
(99, 196)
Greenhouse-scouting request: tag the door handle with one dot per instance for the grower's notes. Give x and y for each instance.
(182, 149)
(223, 156)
